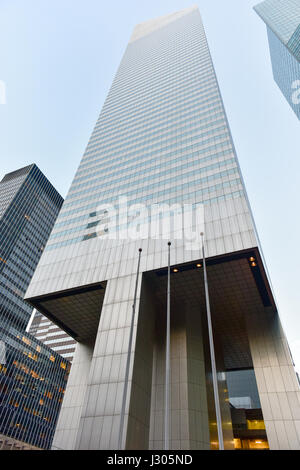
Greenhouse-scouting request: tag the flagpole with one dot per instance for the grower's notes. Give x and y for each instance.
(167, 386)
(122, 417)
(212, 352)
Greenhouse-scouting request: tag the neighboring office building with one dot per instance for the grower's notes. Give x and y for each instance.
(7, 443)
(32, 386)
(52, 336)
(32, 377)
(163, 137)
(282, 18)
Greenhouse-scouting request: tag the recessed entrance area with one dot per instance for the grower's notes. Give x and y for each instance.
(238, 292)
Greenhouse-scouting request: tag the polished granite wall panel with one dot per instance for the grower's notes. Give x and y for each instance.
(199, 435)
(138, 424)
(189, 423)
(72, 407)
(277, 383)
(179, 412)
(101, 415)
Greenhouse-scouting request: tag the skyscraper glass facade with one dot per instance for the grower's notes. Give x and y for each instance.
(165, 126)
(286, 71)
(282, 18)
(32, 377)
(33, 380)
(28, 208)
(163, 137)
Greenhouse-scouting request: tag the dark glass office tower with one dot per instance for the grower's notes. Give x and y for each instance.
(162, 138)
(32, 377)
(33, 380)
(29, 206)
(282, 18)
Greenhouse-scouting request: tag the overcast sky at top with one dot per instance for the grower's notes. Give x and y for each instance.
(58, 59)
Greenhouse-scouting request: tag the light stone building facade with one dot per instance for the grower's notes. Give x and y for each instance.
(163, 136)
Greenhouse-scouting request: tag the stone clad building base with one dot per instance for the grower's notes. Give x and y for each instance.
(259, 412)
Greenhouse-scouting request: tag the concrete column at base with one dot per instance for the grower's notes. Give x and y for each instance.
(138, 420)
(100, 420)
(72, 406)
(179, 411)
(189, 424)
(277, 383)
(196, 378)
(222, 389)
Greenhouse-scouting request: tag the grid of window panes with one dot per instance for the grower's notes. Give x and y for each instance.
(29, 207)
(32, 385)
(10, 186)
(286, 71)
(281, 16)
(294, 44)
(162, 135)
(25, 226)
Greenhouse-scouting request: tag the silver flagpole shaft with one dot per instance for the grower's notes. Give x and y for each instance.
(122, 417)
(212, 353)
(167, 386)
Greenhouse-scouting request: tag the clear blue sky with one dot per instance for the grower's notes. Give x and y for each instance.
(58, 58)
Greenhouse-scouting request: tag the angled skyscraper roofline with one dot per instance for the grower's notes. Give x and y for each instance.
(147, 27)
(282, 19)
(15, 173)
(281, 16)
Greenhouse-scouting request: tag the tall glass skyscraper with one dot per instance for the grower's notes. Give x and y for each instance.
(29, 206)
(162, 137)
(32, 377)
(282, 18)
